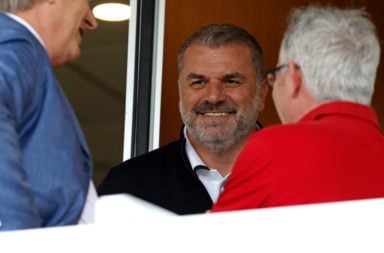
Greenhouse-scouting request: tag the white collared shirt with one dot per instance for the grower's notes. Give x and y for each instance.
(211, 179)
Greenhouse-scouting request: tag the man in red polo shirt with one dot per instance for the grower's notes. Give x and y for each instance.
(330, 146)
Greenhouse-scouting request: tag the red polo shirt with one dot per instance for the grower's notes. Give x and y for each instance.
(334, 153)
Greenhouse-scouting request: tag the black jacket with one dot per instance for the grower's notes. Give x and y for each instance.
(163, 177)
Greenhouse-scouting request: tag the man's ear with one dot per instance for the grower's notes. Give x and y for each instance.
(264, 87)
(295, 78)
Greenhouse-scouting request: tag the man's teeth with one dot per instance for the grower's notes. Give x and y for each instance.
(216, 114)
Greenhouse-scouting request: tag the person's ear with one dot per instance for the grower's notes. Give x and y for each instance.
(295, 78)
(264, 87)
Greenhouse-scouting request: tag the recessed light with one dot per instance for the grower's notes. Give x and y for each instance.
(112, 11)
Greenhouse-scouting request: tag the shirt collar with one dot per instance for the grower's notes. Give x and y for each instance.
(27, 26)
(210, 178)
(342, 108)
(192, 155)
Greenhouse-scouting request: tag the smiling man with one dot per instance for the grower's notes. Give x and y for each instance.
(45, 164)
(221, 94)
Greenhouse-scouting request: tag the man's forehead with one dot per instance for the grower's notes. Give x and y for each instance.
(231, 47)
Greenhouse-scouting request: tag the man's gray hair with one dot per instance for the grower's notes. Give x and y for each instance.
(337, 50)
(14, 5)
(218, 35)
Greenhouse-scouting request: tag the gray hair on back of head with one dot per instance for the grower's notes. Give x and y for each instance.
(337, 50)
(14, 5)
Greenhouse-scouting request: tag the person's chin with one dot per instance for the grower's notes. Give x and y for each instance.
(73, 57)
(217, 130)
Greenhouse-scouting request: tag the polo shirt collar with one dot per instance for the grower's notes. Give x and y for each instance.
(364, 112)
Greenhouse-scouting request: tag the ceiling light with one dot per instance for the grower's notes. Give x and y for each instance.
(112, 11)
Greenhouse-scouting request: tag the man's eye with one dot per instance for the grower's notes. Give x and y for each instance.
(197, 83)
(232, 82)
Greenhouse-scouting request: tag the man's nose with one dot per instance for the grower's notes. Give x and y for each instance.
(215, 92)
(89, 21)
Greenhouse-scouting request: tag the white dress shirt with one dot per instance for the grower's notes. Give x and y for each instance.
(211, 178)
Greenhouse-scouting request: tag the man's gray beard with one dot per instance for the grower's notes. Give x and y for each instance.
(219, 144)
(235, 133)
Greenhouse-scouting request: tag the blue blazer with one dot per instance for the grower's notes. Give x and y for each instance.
(45, 164)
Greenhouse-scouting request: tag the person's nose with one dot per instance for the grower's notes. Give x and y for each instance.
(89, 21)
(215, 92)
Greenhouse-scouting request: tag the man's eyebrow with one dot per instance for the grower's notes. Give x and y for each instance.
(195, 76)
(233, 75)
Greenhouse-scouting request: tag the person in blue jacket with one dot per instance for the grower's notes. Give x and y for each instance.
(45, 164)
